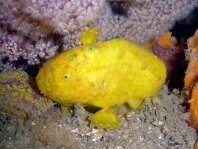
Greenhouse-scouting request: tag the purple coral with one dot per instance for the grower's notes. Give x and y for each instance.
(18, 92)
(32, 25)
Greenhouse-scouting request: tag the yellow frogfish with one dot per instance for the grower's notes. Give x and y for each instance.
(104, 75)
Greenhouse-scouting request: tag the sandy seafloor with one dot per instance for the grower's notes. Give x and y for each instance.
(161, 123)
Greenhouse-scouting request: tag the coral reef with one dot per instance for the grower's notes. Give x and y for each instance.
(32, 31)
(35, 30)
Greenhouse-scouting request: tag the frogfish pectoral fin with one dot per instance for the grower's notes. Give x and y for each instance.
(107, 118)
(135, 103)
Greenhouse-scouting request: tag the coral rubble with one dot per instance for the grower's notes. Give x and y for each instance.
(160, 123)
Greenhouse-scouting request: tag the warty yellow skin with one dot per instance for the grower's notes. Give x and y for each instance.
(104, 75)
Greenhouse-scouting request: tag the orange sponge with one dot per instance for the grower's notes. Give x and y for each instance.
(193, 41)
(194, 108)
(167, 41)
